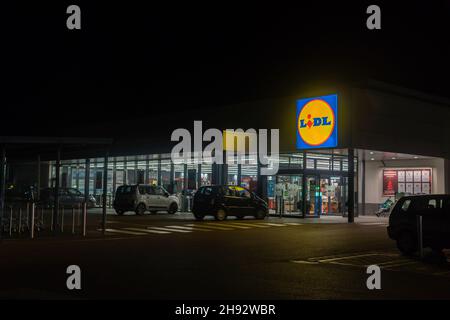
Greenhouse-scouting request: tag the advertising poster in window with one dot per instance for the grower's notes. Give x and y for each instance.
(401, 176)
(417, 176)
(409, 176)
(425, 188)
(409, 188)
(425, 175)
(390, 182)
(417, 188)
(401, 187)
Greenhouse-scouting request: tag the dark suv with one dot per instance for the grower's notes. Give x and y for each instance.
(223, 201)
(435, 213)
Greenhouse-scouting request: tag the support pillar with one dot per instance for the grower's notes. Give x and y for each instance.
(56, 191)
(447, 176)
(363, 187)
(351, 185)
(38, 182)
(2, 187)
(105, 192)
(304, 186)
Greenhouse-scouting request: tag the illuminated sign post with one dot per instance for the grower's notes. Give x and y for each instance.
(317, 122)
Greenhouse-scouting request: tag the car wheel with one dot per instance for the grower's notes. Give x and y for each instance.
(119, 212)
(173, 208)
(406, 243)
(140, 209)
(198, 216)
(220, 215)
(260, 214)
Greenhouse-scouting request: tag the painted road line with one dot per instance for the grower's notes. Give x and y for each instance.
(146, 230)
(168, 229)
(189, 228)
(123, 232)
(207, 227)
(226, 224)
(293, 223)
(273, 224)
(373, 223)
(249, 224)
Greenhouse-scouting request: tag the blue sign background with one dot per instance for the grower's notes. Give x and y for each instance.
(332, 141)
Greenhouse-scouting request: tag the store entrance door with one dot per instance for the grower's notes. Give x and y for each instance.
(332, 195)
(324, 195)
(289, 194)
(313, 197)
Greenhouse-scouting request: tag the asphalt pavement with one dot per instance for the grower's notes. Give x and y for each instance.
(165, 256)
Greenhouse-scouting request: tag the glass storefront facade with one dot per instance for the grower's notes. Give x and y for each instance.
(311, 184)
(318, 179)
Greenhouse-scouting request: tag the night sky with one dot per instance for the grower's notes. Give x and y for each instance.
(130, 61)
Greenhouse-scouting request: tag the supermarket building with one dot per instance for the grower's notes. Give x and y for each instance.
(343, 150)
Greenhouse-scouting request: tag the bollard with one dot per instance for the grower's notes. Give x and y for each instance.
(20, 220)
(51, 215)
(28, 216)
(42, 217)
(32, 221)
(420, 235)
(73, 220)
(62, 219)
(78, 214)
(10, 220)
(84, 218)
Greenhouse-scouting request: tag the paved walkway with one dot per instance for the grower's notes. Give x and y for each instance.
(322, 219)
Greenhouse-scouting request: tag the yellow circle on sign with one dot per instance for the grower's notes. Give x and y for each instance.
(316, 122)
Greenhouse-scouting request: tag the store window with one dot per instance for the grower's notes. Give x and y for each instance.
(206, 175)
(153, 172)
(249, 176)
(233, 174)
(192, 171)
(166, 174)
(179, 178)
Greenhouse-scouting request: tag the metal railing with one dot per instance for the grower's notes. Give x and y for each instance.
(29, 219)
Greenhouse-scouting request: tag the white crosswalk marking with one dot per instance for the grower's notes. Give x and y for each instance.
(198, 225)
(249, 224)
(226, 224)
(188, 228)
(123, 232)
(273, 224)
(147, 230)
(293, 223)
(168, 229)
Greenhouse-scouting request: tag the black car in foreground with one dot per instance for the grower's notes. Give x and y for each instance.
(435, 213)
(223, 201)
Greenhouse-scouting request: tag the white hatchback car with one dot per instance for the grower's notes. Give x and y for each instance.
(141, 198)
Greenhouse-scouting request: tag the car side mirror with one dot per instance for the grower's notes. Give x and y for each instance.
(166, 194)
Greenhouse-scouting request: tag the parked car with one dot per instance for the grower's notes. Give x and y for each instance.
(68, 197)
(223, 201)
(435, 213)
(140, 198)
(17, 193)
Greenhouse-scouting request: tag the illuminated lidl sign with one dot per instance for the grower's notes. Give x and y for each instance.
(317, 122)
